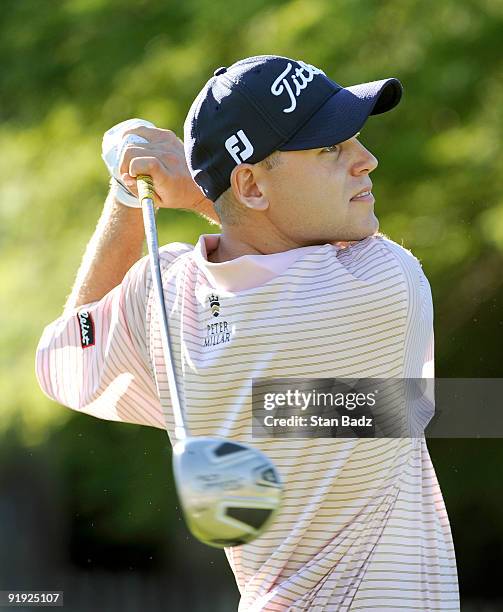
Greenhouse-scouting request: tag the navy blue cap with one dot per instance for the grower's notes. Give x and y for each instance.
(271, 103)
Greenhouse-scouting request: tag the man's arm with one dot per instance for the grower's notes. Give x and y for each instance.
(97, 363)
(117, 242)
(115, 246)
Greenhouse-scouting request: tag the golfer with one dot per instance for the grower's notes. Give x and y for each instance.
(298, 284)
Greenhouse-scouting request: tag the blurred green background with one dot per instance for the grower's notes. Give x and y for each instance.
(87, 497)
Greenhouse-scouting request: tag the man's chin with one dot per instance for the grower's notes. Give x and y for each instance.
(370, 229)
(358, 234)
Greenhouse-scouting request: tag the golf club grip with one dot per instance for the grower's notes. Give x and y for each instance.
(145, 186)
(147, 203)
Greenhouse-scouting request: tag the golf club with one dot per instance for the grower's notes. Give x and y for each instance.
(229, 491)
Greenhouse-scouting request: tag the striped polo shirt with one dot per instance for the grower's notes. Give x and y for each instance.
(363, 525)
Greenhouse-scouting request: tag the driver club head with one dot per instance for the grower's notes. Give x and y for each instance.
(229, 491)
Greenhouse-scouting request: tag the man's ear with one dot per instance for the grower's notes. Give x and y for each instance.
(246, 189)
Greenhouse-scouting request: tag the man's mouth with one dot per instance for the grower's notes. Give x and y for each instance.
(365, 196)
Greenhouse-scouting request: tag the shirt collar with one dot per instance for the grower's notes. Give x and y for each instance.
(247, 271)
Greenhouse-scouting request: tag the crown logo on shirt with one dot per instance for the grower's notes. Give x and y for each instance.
(214, 304)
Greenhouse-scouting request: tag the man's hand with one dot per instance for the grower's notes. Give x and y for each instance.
(162, 158)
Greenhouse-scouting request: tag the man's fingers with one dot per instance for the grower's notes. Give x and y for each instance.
(161, 157)
(142, 165)
(130, 152)
(145, 165)
(130, 183)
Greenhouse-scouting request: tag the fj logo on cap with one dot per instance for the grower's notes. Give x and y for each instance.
(235, 143)
(300, 79)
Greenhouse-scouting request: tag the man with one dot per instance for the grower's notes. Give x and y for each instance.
(298, 284)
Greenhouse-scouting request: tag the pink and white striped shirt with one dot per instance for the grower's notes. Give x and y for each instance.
(363, 525)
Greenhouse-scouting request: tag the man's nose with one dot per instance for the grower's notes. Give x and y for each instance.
(366, 162)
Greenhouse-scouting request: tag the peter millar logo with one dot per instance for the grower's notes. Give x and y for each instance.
(234, 145)
(214, 305)
(300, 79)
(219, 332)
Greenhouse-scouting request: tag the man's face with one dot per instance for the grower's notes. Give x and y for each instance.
(311, 194)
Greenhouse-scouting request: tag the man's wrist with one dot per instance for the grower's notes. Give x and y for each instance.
(119, 204)
(122, 194)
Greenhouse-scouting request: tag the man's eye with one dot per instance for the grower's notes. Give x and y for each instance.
(331, 149)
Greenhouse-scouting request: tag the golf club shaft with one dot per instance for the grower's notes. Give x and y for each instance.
(146, 196)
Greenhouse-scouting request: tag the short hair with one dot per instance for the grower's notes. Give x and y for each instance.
(271, 161)
(227, 208)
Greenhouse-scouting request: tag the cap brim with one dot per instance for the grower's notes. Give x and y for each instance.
(344, 114)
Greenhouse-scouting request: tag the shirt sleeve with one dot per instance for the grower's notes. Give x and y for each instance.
(95, 360)
(418, 346)
(419, 337)
(427, 315)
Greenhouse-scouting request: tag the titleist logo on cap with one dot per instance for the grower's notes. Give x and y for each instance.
(300, 78)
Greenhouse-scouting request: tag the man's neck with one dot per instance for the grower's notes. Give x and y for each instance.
(231, 247)
(228, 252)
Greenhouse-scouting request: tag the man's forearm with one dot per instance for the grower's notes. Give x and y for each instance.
(116, 245)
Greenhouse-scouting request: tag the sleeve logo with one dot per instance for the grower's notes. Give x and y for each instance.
(86, 327)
